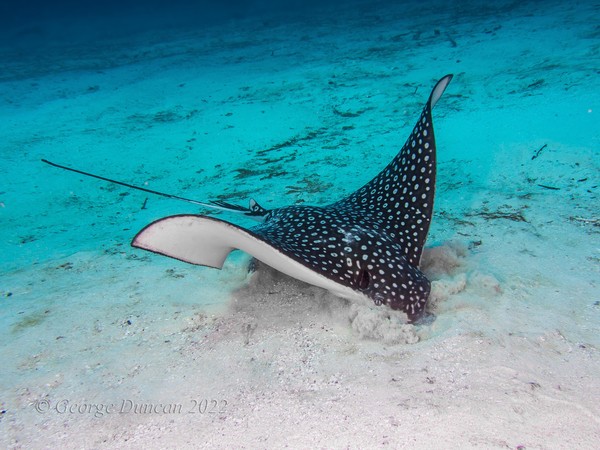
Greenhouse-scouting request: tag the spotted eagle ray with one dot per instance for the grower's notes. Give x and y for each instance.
(366, 245)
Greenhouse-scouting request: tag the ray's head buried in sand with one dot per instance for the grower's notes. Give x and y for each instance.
(367, 245)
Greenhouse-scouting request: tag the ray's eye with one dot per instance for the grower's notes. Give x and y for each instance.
(363, 279)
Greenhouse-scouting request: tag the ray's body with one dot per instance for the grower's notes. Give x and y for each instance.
(368, 244)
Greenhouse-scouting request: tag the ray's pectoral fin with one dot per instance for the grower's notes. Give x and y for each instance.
(192, 239)
(207, 241)
(400, 198)
(200, 240)
(439, 89)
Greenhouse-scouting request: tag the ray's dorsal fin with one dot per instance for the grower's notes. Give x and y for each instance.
(255, 211)
(399, 200)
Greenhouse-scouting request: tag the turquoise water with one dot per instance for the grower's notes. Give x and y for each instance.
(296, 105)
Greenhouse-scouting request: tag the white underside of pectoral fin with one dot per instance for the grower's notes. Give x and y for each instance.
(189, 238)
(439, 89)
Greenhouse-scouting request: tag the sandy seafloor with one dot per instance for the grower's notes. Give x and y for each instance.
(287, 110)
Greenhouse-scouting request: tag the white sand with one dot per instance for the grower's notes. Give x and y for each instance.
(90, 326)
